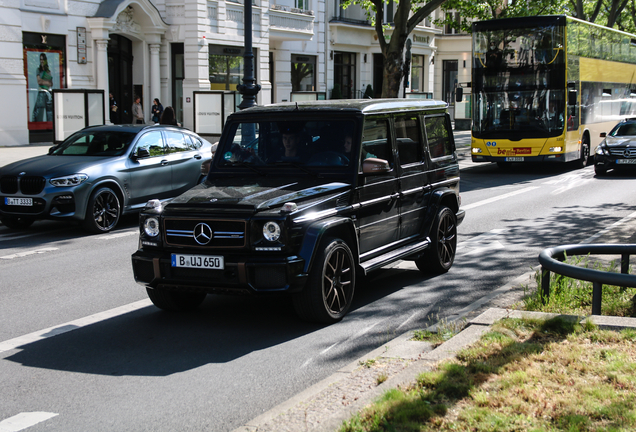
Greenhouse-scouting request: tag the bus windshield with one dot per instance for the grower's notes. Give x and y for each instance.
(519, 82)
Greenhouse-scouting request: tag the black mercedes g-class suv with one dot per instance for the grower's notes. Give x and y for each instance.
(303, 198)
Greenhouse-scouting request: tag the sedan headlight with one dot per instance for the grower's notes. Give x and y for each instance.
(69, 180)
(602, 150)
(271, 231)
(151, 227)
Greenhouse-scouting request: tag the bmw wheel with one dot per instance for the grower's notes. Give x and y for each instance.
(329, 292)
(103, 211)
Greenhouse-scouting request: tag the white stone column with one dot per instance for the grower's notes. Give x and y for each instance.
(101, 70)
(155, 72)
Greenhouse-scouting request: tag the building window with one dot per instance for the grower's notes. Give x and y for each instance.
(302, 4)
(303, 75)
(344, 75)
(456, 17)
(44, 66)
(417, 73)
(226, 67)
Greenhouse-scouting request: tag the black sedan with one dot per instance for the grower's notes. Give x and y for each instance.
(618, 149)
(100, 173)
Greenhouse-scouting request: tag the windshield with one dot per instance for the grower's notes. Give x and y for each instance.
(295, 143)
(95, 143)
(519, 82)
(625, 129)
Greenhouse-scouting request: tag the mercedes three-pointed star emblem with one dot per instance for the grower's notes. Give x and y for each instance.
(202, 233)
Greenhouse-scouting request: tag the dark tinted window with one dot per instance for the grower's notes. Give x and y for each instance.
(407, 133)
(375, 140)
(438, 137)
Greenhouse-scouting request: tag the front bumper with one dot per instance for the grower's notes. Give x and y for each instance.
(243, 274)
(611, 162)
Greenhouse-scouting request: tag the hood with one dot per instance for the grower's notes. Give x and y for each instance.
(256, 194)
(52, 166)
(620, 141)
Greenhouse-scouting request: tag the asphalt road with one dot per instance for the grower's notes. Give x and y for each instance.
(81, 347)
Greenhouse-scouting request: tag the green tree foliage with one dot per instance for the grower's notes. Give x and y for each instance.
(392, 39)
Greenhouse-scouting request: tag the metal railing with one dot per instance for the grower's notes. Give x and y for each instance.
(551, 260)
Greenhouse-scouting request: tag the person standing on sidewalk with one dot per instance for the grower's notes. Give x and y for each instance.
(157, 110)
(138, 111)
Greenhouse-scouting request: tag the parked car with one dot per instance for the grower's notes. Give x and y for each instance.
(303, 198)
(101, 172)
(618, 149)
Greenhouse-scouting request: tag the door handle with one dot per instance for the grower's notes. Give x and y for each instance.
(197, 156)
(395, 196)
(164, 162)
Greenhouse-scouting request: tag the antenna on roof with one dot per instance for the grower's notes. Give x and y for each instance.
(296, 105)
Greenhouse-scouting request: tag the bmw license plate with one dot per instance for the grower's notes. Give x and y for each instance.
(626, 161)
(25, 202)
(514, 159)
(198, 261)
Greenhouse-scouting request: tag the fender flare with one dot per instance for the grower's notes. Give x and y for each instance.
(316, 232)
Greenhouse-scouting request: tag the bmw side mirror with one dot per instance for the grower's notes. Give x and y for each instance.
(141, 153)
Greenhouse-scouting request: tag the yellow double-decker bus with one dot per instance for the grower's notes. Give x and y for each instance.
(545, 87)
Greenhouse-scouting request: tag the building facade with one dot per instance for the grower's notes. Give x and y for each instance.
(170, 49)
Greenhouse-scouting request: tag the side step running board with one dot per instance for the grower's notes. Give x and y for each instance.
(394, 255)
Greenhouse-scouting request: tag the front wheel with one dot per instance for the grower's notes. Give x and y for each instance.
(328, 295)
(600, 170)
(177, 301)
(439, 257)
(103, 211)
(585, 154)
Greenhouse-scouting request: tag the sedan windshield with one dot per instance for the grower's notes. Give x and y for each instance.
(625, 129)
(289, 143)
(95, 143)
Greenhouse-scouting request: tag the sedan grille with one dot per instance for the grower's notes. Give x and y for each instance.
(205, 233)
(626, 152)
(28, 185)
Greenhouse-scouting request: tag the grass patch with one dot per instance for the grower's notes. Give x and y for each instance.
(574, 297)
(523, 375)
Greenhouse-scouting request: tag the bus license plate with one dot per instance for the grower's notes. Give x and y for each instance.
(626, 161)
(26, 202)
(514, 159)
(198, 261)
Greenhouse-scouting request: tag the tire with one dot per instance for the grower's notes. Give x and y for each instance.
(176, 301)
(16, 222)
(439, 257)
(600, 170)
(328, 295)
(585, 154)
(103, 211)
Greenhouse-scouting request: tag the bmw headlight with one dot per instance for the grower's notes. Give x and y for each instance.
(271, 231)
(151, 227)
(69, 180)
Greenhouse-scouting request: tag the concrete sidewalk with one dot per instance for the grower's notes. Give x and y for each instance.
(324, 406)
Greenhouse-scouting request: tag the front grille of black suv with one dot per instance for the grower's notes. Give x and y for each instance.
(224, 233)
(28, 185)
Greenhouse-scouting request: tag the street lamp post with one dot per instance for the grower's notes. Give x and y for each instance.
(249, 89)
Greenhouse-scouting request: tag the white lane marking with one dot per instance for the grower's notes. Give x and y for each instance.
(593, 238)
(72, 325)
(27, 253)
(483, 243)
(498, 198)
(24, 420)
(567, 182)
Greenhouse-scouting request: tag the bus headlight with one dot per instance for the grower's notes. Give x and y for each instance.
(556, 149)
(476, 150)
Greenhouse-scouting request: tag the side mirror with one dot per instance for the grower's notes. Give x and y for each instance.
(459, 94)
(572, 97)
(52, 148)
(603, 134)
(375, 166)
(142, 153)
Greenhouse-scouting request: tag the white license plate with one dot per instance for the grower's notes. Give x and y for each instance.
(514, 159)
(198, 261)
(26, 202)
(626, 161)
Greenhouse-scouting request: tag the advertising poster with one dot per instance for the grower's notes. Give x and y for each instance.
(43, 75)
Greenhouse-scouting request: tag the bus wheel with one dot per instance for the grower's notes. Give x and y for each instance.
(585, 153)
